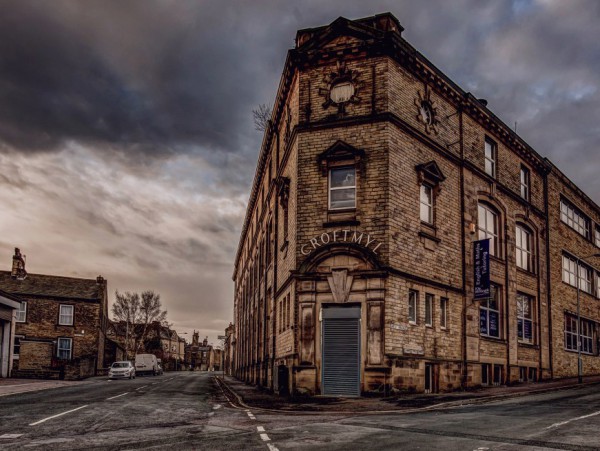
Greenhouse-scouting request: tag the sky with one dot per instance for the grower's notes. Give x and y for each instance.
(127, 144)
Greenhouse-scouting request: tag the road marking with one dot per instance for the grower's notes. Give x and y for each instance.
(218, 406)
(118, 396)
(260, 429)
(252, 417)
(265, 437)
(555, 425)
(10, 435)
(56, 416)
(272, 447)
(139, 388)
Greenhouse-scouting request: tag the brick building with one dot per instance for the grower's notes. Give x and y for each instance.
(60, 323)
(354, 271)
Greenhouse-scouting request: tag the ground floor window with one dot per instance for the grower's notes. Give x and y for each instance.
(527, 374)
(65, 346)
(485, 373)
(17, 346)
(497, 374)
(489, 314)
(525, 307)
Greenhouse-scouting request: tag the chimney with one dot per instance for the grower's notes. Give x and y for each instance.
(100, 280)
(18, 266)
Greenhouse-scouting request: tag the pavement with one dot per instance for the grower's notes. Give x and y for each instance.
(251, 396)
(9, 386)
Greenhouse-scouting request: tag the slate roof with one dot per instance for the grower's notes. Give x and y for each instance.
(51, 286)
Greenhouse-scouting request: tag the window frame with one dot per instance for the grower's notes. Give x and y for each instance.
(492, 159)
(413, 304)
(21, 311)
(429, 298)
(444, 313)
(17, 345)
(585, 333)
(575, 218)
(597, 235)
(525, 182)
(496, 296)
(61, 315)
(59, 348)
(484, 233)
(522, 319)
(330, 188)
(526, 251)
(428, 204)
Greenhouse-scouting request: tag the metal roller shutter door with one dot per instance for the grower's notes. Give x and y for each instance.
(341, 356)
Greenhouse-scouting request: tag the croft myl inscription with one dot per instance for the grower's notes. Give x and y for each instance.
(341, 236)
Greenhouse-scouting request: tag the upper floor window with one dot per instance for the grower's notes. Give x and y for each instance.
(426, 204)
(489, 314)
(65, 316)
(64, 348)
(342, 188)
(491, 155)
(586, 334)
(413, 305)
(525, 321)
(429, 309)
(597, 236)
(443, 313)
(525, 183)
(523, 248)
(571, 269)
(574, 218)
(487, 222)
(22, 312)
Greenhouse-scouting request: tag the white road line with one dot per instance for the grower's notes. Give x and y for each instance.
(10, 435)
(555, 425)
(139, 388)
(265, 437)
(218, 406)
(260, 429)
(118, 396)
(56, 416)
(272, 447)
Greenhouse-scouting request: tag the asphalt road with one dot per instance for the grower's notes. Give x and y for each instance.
(189, 411)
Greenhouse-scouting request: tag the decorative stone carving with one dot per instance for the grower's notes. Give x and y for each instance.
(340, 283)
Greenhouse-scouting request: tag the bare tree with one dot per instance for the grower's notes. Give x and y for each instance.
(138, 312)
(262, 117)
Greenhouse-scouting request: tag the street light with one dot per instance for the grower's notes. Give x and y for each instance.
(579, 363)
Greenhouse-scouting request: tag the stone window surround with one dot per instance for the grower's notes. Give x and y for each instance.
(526, 249)
(522, 318)
(491, 160)
(413, 305)
(59, 348)
(23, 311)
(62, 315)
(429, 300)
(525, 182)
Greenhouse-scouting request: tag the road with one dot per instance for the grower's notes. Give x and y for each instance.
(188, 411)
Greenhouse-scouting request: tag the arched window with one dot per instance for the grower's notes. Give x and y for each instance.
(524, 248)
(487, 224)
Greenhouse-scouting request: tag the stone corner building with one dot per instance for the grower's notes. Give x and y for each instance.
(60, 323)
(354, 271)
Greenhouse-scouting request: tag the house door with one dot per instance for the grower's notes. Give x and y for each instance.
(341, 351)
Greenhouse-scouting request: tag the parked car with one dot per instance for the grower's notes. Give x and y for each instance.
(146, 364)
(121, 370)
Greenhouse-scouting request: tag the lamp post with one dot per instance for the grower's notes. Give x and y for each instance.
(579, 363)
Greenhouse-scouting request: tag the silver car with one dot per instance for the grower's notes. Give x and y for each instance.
(121, 370)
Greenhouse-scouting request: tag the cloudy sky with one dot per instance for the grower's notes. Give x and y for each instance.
(127, 146)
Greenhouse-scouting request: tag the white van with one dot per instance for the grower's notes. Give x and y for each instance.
(146, 364)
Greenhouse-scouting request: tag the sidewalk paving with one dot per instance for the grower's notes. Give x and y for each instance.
(10, 386)
(256, 397)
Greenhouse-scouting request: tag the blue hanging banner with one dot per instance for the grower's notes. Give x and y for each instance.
(481, 271)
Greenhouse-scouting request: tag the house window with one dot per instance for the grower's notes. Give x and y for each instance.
(570, 272)
(497, 374)
(522, 374)
(17, 346)
(429, 309)
(485, 373)
(491, 151)
(574, 218)
(587, 334)
(525, 323)
(524, 245)
(65, 317)
(64, 348)
(342, 188)
(22, 312)
(489, 314)
(413, 303)
(597, 236)
(525, 183)
(426, 204)
(587, 337)
(443, 313)
(487, 222)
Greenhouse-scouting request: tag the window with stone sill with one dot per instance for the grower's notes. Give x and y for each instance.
(342, 188)
(429, 309)
(525, 319)
(64, 348)
(22, 312)
(413, 306)
(491, 156)
(443, 313)
(597, 236)
(570, 270)
(426, 199)
(488, 226)
(524, 245)
(65, 317)
(490, 320)
(525, 183)
(574, 218)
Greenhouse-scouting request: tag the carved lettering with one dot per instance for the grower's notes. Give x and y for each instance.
(302, 250)
(314, 242)
(323, 236)
(356, 238)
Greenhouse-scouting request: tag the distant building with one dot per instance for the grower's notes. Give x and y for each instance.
(60, 323)
(229, 349)
(377, 179)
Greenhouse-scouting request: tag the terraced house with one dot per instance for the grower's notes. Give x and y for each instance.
(60, 323)
(355, 268)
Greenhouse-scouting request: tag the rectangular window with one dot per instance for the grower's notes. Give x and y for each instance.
(570, 271)
(17, 346)
(485, 374)
(64, 348)
(525, 183)
(429, 309)
(598, 285)
(522, 374)
(491, 151)
(523, 248)
(587, 334)
(65, 317)
(571, 332)
(489, 314)
(413, 304)
(574, 218)
(497, 374)
(487, 222)
(426, 204)
(22, 312)
(443, 313)
(533, 374)
(342, 188)
(525, 315)
(597, 236)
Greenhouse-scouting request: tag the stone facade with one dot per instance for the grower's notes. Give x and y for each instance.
(427, 170)
(52, 345)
